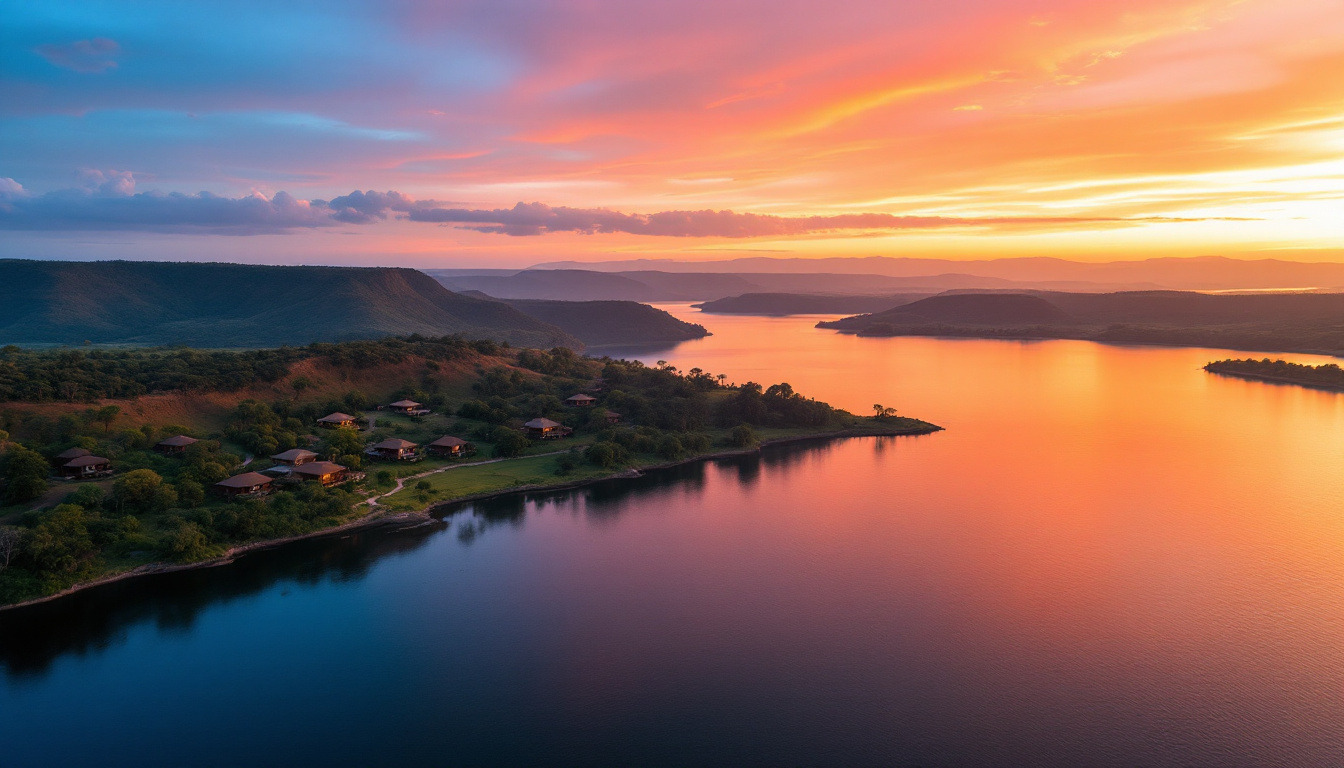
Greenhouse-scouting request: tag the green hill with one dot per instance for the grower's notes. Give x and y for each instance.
(237, 305)
(603, 323)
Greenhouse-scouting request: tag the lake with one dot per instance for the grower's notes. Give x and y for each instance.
(1109, 558)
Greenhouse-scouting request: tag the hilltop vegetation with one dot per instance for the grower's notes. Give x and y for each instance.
(1288, 322)
(236, 305)
(73, 375)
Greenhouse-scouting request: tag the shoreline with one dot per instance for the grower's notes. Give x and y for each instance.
(1111, 342)
(1277, 380)
(377, 517)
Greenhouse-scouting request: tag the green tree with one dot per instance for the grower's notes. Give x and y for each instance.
(742, 436)
(671, 448)
(606, 454)
(188, 543)
(106, 415)
(190, 493)
(25, 474)
(60, 542)
(87, 496)
(344, 441)
(140, 489)
(509, 442)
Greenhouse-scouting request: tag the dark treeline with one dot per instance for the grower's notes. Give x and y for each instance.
(1328, 376)
(77, 375)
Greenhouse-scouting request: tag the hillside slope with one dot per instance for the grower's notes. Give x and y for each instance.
(236, 305)
(602, 323)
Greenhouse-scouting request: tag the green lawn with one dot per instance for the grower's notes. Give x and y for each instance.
(471, 479)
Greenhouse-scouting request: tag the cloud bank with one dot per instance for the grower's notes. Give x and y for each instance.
(84, 56)
(107, 201)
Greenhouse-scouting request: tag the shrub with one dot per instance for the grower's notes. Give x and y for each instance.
(566, 463)
(509, 442)
(742, 436)
(86, 496)
(671, 448)
(606, 454)
(25, 474)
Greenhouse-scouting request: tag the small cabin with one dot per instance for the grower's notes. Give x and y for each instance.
(174, 445)
(611, 417)
(294, 457)
(395, 449)
(87, 467)
(338, 419)
(408, 407)
(246, 484)
(324, 472)
(451, 447)
(580, 401)
(70, 455)
(545, 429)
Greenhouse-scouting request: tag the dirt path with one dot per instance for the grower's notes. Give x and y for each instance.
(401, 481)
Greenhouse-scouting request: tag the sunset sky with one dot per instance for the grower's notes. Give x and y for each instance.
(507, 133)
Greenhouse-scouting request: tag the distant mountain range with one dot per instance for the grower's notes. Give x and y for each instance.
(1205, 273)
(235, 305)
(1268, 322)
(589, 285)
(804, 304)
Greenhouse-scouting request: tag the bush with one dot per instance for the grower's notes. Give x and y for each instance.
(86, 496)
(742, 436)
(143, 490)
(25, 474)
(190, 493)
(566, 463)
(671, 448)
(188, 543)
(607, 455)
(509, 442)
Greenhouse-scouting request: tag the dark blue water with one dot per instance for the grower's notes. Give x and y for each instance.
(1110, 558)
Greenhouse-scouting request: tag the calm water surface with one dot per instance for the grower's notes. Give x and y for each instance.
(1109, 558)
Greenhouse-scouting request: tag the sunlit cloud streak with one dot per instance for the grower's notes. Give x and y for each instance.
(109, 203)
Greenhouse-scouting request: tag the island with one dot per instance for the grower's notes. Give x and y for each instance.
(118, 463)
(1327, 376)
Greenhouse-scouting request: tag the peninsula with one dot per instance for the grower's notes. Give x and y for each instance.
(117, 463)
(1328, 376)
(1286, 322)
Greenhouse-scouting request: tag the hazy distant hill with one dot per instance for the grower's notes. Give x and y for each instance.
(646, 286)
(804, 304)
(1199, 273)
(235, 305)
(1270, 322)
(603, 323)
